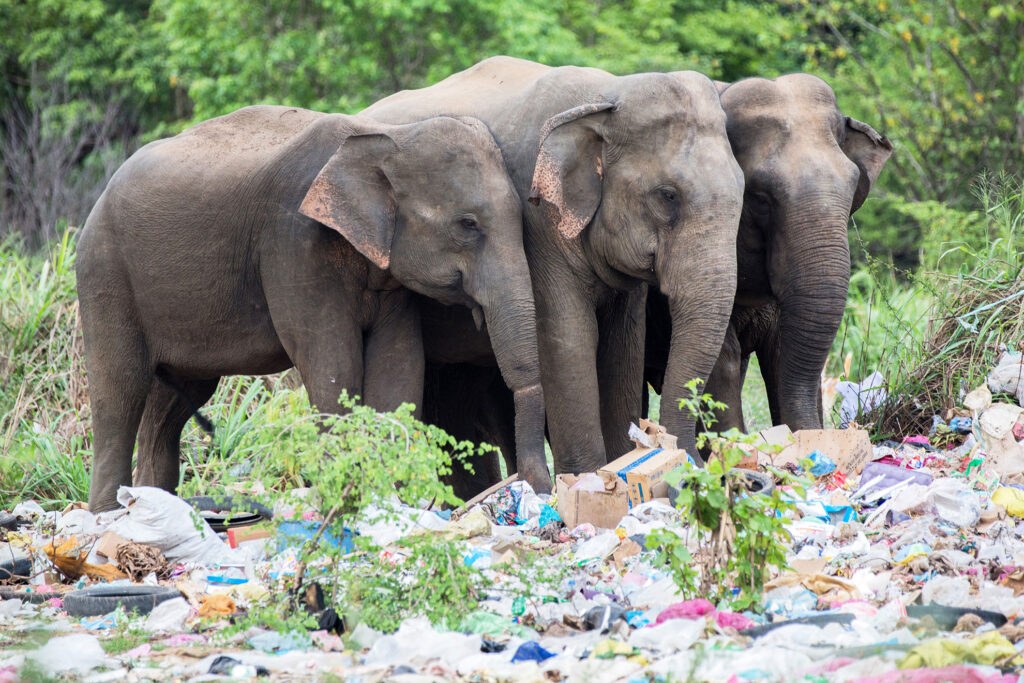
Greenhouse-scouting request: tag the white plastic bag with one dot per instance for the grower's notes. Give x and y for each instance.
(78, 653)
(169, 616)
(162, 520)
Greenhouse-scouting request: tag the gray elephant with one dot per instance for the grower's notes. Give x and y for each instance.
(616, 177)
(807, 168)
(274, 237)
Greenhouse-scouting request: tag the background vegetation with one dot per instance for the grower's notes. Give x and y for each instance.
(83, 83)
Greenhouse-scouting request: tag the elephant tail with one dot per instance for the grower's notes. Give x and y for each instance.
(201, 420)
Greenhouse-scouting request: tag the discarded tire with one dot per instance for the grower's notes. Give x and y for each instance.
(96, 600)
(15, 569)
(946, 617)
(227, 512)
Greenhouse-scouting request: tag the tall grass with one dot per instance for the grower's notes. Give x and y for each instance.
(934, 335)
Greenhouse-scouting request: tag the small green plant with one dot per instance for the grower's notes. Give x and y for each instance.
(738, 537)
(356, 467)
(432, 580)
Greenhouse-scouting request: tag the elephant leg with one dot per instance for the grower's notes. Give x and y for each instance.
(118, 366)
(393, 362)
(567, 340)
(497, 426)
(620, 366)
(769, 358)
(725, 383)
(452, 399)
(167, 410)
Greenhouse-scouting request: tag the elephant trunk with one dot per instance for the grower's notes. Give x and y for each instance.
(699, 279)
(698, 330)
(511, 324)
(811, 285)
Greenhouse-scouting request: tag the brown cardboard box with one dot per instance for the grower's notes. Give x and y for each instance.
(603, 509)
(642, 471)
(108, 544)
(643, 468)
(849, 449)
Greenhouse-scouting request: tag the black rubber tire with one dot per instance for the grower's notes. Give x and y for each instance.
(103, 599)
(18, 570)
(813, 620)
(248, 511)
(946, 617)
(26, 596)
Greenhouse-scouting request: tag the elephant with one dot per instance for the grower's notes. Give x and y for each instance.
(807, 167)
(275, 237)
(614, 175)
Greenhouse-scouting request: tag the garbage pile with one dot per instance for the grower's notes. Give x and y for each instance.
(906, 563)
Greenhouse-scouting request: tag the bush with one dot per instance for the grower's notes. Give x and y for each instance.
(738, 537)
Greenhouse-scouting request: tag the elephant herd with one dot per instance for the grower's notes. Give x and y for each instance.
(516, 249)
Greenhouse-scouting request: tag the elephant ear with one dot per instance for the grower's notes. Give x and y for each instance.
(353, 195)
(869, 150)
(567, 177)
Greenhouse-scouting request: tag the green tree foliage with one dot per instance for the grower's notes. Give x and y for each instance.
(944, 78)
(86, 80)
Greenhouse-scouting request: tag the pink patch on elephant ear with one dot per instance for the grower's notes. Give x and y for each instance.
(547, 185)
(324, 204)
(550, 174)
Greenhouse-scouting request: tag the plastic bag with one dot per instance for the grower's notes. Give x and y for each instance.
(1008, 376)
(162, 520)
(168, 616)
(78, 653)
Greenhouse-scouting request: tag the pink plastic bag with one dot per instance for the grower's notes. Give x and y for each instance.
(962, 674)
(733, 619)
(688, 609)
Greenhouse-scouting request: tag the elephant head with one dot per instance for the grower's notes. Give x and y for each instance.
(807, 168)
(648, 171)
(432, 203)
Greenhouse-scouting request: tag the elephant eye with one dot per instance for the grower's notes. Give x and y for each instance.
(470, 224)
(669, 195)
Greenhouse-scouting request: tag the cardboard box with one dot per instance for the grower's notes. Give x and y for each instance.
(108, 544)
(644, 467)
(849, 449)
(603, 509)
(642, 471)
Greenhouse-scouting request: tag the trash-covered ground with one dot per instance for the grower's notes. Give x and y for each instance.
(910, 570)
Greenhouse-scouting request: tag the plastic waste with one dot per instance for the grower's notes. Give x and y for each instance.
(821, 464)
(494, 626)
(688, 609)
(877, 477)
(1007, 377)
(531, 652)
(229, 666)
(955, 503)
(670, 636)
(162, 520)
(417, 638)
(78, 653)
(272, 641)
(987, 648)
(860, 397)
(1010, 498)
(168, 616)
(598, 547)
(603, 617)
(589, 482)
